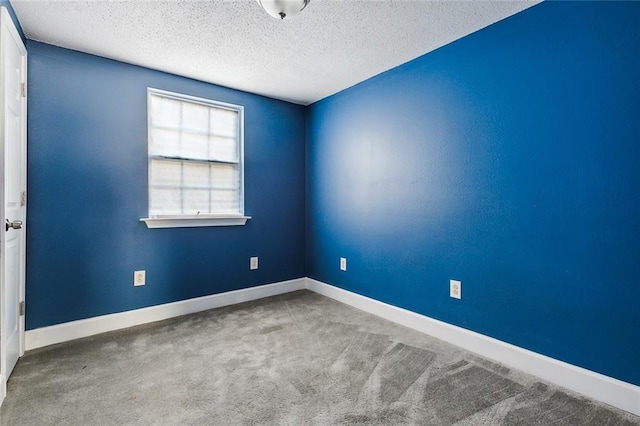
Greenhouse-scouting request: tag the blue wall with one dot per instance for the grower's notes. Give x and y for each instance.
(508, 160)
(87, 191)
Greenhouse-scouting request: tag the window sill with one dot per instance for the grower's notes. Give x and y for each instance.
(194, 221)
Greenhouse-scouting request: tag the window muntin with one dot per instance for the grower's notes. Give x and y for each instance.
(195, 156)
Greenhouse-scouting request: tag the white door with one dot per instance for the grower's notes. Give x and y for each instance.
(13, 66)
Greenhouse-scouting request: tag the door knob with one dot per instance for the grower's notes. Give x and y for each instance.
(16, 224)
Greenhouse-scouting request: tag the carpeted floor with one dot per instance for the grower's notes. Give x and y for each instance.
(294, 359)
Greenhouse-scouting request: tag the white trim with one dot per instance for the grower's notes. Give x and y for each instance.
(194, 221)
(9, 31)
(3, 389)
(611, 391)
(46, 336)
(211, 104)
(594, 385)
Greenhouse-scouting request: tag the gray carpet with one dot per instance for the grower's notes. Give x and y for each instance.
(294, 359)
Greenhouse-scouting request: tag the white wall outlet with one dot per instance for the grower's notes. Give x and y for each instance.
(139, 278)
(253, 263)
(343, 263)
(455, 289)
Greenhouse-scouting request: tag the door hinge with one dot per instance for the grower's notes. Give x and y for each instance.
(23, 198)
(23, 90)
(22, 308)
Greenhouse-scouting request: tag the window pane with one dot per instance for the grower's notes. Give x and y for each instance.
(225, 176)
(195, 146)
(223, 149)
(165, 173)
(196, 175)
(195, 117)
(165, 112)
(224, 122)
(226, 201)
(164, 201)
(196, 201)
(164, 142)
(202, 138)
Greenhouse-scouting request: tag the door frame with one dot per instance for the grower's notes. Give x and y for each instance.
(8, 30)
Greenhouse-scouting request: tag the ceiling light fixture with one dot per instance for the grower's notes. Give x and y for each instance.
(283, 8)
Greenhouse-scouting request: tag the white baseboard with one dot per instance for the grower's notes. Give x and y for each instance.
(59, 333)
(611, 391)
(594, 385)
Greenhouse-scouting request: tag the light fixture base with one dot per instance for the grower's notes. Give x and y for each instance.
(281, 9)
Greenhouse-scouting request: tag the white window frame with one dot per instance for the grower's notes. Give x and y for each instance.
(182, 221)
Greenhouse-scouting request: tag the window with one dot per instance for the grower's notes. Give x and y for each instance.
(195, 161)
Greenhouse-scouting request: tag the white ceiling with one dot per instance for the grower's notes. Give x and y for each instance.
(331, 45)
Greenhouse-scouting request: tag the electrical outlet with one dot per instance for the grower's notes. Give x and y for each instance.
(343, 263)
(253, 263)
(139, 278)
(455, 289)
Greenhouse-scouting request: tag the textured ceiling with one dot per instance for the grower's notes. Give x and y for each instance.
(330, 46)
